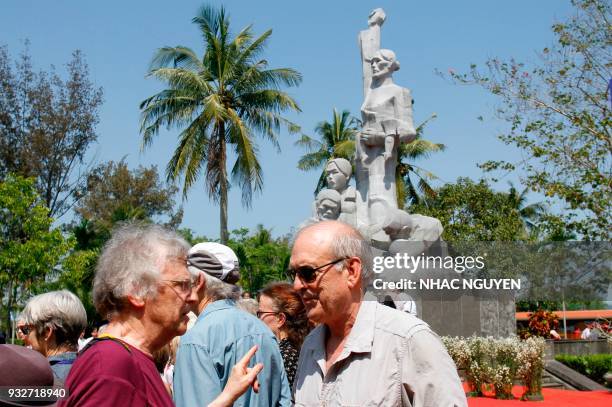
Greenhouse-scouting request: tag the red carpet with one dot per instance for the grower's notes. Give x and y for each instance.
(552, 397)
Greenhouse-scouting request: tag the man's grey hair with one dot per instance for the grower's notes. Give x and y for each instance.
(131, 263)
(216, 289)
(249, 305)
(62, 311)
(354, 245)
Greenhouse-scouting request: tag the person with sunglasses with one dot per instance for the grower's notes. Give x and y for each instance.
(142, 287)
(221, 334)
(52, 324)
(361, 352)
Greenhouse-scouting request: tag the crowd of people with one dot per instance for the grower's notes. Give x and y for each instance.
(179, 333)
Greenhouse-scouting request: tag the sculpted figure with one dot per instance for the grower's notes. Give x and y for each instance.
(411, 234)
(338, 174)
(369, 43)
(387, 121)
(328, 203)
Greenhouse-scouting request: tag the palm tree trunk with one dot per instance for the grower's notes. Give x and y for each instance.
(224, 234)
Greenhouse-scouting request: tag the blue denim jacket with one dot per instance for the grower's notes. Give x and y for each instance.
(61, 364)
(209, 350)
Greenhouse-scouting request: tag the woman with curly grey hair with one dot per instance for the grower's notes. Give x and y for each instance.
(52, 324)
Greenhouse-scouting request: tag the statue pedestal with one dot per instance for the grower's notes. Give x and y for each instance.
(443, 301)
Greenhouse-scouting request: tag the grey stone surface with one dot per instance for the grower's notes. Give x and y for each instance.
(575, 379)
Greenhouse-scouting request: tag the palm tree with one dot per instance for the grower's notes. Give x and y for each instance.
(530, 214)
(337, 141)
(223, 99)
(412, 181)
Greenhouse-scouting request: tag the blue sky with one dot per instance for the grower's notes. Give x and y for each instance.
(319, 39)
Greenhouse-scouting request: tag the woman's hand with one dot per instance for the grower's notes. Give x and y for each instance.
(239, 381)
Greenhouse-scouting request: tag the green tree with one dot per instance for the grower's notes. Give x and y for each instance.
(47, 125)
(415, 180)
(559, 116)
(262, 258)
(30, 248)
(473, 212)
(224, 99)
(115, 193)
(337, 140)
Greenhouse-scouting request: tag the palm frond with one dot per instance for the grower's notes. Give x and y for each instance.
(345, 149)
(176, 57)
(247, 170)
(313, 160)
(308, 143)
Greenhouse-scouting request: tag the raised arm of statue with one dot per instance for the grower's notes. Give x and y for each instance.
(369, 43)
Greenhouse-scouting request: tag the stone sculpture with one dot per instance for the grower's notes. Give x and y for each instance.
(387, 121)
(411, 234)
(328, 203)
(338, 175)
(369, 43)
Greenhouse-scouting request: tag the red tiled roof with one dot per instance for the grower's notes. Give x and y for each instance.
(575, 315)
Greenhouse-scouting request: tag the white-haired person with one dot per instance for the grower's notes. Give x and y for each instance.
(52, 324)
(222, 334)
(142, 287)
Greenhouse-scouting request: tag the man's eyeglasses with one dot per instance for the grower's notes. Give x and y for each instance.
(308, 274)
(184, 286)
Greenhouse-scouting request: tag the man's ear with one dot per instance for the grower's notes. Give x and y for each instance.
(353, 268)
(200, 283)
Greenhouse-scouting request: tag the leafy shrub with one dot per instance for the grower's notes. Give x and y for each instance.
(592, 366)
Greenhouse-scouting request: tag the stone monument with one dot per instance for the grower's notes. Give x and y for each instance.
(371, 206)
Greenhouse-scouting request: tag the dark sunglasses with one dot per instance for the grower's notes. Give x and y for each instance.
(308, 274)
(25, 329)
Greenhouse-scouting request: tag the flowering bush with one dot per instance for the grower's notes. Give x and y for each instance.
(540, 324)
(505, 365)
(531, 365)
(497, 362)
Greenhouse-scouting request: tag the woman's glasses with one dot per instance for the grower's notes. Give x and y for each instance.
(262, 313)
(308, 274)
(184, 286)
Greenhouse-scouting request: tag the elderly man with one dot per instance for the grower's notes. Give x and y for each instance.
(222, 334)
(143, 288)
(361, 352)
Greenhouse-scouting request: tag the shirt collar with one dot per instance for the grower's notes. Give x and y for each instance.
(316, 346)
(62, 356)
(361, 336)
(217, 306)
